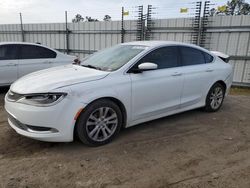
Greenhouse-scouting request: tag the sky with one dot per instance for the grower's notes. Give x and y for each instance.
(49, 11)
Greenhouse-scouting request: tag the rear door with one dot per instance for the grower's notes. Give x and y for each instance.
(198, 71)
(33, 58)
(8, 64)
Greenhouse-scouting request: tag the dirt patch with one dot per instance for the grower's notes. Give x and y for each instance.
(240, 91)
(192, 149)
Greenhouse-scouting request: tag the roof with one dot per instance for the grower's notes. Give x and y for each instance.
(155, 43)
(1, 43)
(30, 43)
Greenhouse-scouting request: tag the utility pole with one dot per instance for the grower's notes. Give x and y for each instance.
(149, 23)
(67, 32)
(204, 23)
(196, 24)
(122, 29)
(22, 31)
(140, 24)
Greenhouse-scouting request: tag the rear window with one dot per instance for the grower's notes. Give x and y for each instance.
(36, 52)
(191, 56)
(208, 57)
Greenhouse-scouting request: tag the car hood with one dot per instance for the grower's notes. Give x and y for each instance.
(56, 77)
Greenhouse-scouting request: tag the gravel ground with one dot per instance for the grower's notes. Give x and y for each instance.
(191, 149)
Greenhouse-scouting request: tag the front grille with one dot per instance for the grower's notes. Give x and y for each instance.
(29, 128)
(12, 96)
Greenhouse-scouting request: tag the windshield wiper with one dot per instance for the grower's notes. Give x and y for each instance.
(92, 67)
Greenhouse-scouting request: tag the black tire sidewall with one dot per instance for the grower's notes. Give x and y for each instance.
(208, 102)
(81, 122)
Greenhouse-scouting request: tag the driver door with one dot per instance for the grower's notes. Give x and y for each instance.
(157, 92)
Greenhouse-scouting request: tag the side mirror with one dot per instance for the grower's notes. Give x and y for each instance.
(147, 66)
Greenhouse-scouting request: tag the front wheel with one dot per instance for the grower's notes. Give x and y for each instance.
(215, 98)
(99, 123)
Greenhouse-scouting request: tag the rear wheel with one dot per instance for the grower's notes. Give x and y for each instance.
(99, 123)
(215, 98)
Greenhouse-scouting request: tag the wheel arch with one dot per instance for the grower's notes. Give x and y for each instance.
(222, 83)
(117, 102)
(212, 84)
(207, 107)
(121, 106)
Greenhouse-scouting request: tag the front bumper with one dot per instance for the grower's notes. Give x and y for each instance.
(53, 124)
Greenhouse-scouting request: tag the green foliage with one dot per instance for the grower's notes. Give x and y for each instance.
(89, 19)
(233, 7)
(107, 18)
(78, 18)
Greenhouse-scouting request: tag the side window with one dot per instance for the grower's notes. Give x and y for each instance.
(166, 57)
(208, 58)
(191, 56)
(35, 52)
(8, 52)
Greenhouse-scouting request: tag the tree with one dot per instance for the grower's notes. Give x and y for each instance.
(107, 18)
(233, 7)
(245, 10)
(212, 12)
(89, 19)
(78, 18)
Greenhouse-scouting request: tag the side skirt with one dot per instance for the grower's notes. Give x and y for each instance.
(198, 105)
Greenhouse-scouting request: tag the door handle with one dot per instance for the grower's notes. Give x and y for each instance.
(176, 74)
(209, 70)
(11, 64)
(48, 62)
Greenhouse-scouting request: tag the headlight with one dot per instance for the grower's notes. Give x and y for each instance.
(42, 99)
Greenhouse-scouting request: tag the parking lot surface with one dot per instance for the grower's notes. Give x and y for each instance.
(191, 149)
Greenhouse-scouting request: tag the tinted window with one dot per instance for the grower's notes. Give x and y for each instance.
(191, 56)
(165, 57)
(208, 58)
(35, 52)
(8, 52)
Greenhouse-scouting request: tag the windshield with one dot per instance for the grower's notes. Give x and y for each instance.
(113, 58)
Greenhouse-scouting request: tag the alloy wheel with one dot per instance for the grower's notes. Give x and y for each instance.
(101, 124)
(216, 98)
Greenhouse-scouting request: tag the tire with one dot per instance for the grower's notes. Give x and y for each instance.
(99, 123)
(215, 98)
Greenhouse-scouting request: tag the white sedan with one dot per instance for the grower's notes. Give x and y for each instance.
(20, 58)
(118, 87)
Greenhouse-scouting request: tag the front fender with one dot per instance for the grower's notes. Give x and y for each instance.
(119, 89)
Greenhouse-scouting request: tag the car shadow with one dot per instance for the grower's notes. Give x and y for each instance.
(4, 89)
(17, 145)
